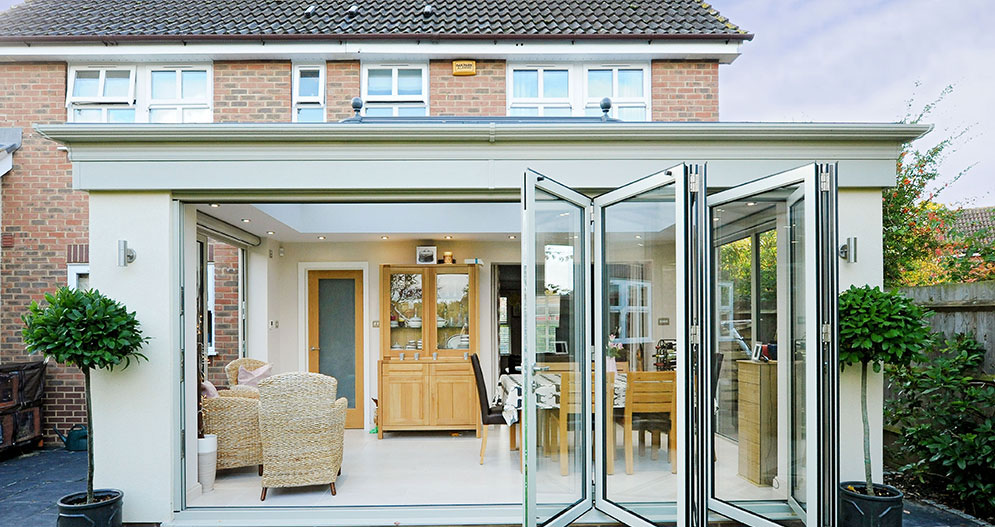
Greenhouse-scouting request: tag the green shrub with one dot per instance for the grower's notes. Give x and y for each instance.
(946, 414)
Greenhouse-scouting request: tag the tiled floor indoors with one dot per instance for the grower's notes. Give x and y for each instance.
(430, 468)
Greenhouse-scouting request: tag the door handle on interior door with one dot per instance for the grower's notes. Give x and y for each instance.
(313, 348)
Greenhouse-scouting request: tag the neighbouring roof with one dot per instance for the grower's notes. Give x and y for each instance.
(970, 221)
(10, 139)
(448, 19)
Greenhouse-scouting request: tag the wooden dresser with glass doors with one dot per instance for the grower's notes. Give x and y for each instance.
(428, 330)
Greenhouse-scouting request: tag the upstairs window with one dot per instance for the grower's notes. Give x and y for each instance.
(179, 95)
(540, 92)
(628, 88)
(395, 90)
(309, 94)
(101, 94)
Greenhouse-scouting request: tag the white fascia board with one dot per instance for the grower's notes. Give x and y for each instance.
(723, 51)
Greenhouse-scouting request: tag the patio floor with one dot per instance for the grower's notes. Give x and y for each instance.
(31, 484)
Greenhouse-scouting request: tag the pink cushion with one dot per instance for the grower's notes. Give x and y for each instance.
(252, 377)
(208, 391)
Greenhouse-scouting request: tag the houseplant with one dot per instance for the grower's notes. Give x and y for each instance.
(88, 330)
(876, 327)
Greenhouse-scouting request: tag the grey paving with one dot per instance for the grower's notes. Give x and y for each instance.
(31, 484)
(435, 19)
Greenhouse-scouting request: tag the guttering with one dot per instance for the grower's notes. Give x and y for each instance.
(109, 39)
(483, 132)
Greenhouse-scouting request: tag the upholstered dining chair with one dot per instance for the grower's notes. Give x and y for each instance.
(488, 415)
(302, 428)
(234, 418)
(648, 396)
(231, 370)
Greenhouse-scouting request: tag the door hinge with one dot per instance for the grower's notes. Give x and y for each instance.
(694, 181)
(827, 333)
(183, 443)
(824, 181)
(695, 335)
(182, 302)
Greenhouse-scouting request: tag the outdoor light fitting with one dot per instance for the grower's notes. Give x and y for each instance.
(848, 251)
(125, 255)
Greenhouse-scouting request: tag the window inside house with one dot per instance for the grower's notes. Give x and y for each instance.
(179, 95)
(540, 92)
(627, 87)
(395, 90)
(309, 94)
(102, 95)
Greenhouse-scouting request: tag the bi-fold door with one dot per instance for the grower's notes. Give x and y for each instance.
(653, 312)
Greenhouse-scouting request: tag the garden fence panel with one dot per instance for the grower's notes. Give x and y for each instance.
(962, 308)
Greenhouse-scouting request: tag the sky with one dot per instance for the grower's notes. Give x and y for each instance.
(861, 60)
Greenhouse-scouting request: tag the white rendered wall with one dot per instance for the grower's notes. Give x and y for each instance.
(135, 415)
(860, 216)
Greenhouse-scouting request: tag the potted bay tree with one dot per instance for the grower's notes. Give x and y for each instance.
(87, 330)
(876, 327)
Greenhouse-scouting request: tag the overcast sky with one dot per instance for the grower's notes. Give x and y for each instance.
(859, 60)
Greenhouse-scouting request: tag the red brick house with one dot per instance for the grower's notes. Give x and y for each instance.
(272, 61)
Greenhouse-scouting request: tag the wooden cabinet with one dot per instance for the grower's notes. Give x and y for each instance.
(758, 421)
(431, 311)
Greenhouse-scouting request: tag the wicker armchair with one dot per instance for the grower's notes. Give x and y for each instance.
(302, 428)
(234, 418)
(231, 370)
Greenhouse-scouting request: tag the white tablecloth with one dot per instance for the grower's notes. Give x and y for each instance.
(510, 396)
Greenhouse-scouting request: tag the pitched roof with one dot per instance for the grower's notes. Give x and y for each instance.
(970, 221)
(448, 19)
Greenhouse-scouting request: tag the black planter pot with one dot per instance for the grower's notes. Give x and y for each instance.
(860, 510)
(105, 513)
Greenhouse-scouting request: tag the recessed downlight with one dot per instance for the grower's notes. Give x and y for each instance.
(321, 237)
(512, 237)
(385, 237)
(215, 205)
(246, 220)
(448, 237)
(271, 233)
(751, 203)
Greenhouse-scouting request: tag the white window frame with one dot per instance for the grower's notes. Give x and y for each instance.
(619, 102)
(579, 100)
(179, 104)
(300, 101)
(541, 103)
(99, 102)
(394, 100)
(73, 272)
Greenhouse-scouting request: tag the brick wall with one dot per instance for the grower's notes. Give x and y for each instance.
(471, 95)
(252, 91)
(341, 85)
(226, 321)
(685, 90)
(44, 216)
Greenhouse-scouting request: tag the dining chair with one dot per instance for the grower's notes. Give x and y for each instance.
(649, 395)
(488, 415)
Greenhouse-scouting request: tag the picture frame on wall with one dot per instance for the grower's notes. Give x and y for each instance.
(426, 254)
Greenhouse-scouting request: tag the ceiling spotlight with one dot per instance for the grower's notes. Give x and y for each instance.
(215, 205)
(448, 237)
(512, 237)
(385, 237)
(271, 233)
(639, 237)
(321, 237)
(246, 220)
(751, 203)
(639, 244)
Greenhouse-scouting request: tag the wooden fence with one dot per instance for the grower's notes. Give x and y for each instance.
(962, 308)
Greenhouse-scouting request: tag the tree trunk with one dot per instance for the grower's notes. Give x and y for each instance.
(869, 488)
(89, 437)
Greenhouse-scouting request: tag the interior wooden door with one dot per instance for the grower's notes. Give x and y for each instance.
(335, 334)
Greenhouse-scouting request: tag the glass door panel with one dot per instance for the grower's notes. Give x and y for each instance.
(452, 309)
(638, 349)
(762, 376)
(406, 312)
(556, 363)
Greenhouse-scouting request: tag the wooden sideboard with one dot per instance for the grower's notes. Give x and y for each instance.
(429, 311)
(758, 421)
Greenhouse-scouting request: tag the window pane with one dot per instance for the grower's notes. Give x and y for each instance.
(592, 111)
(556, 111)
(411, 111)
(409, 82)
(196, 115)
(308, 84)
(630, 83)
(378, 82)
(164, 115)
(379, 111)
(632, 113)
(117, 83)
(311, 115)
(86, 84)
(524, 112)
(555, 83)
(164, 85)
(194, 84)
(599, 83)
(120, 115)
(88, 115)
(525, 83)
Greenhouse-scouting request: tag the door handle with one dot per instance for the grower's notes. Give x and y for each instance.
(536, 369)
(313, 348)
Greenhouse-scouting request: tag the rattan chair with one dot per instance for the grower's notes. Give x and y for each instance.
(231, 370)
(234, 418)
(302, 427)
